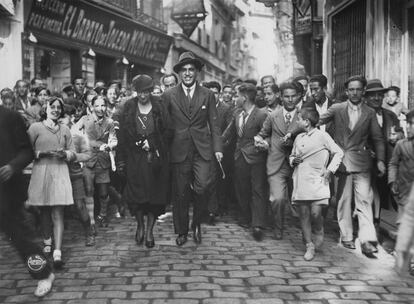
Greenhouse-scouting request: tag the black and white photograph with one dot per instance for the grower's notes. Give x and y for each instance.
(207, 151)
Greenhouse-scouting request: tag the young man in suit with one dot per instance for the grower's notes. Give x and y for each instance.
(250, 163)
(355, 123)
(275, 129)
(195, 144)
(217, 198)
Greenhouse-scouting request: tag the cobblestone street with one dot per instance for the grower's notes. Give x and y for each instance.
(228, 267)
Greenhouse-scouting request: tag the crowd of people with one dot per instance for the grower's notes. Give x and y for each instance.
(256, 151)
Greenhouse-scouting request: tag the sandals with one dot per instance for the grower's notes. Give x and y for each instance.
(44, 286)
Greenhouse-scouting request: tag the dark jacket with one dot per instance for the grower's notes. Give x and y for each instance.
(16, 151)
(198, 124)
(245, 144)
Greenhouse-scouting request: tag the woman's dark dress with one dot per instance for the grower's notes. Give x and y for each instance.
(146, 172)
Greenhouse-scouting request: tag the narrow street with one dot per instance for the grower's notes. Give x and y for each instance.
(228, 267)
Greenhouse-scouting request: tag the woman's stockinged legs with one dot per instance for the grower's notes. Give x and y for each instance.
(58, 227)
(305, 221)
(139, 235)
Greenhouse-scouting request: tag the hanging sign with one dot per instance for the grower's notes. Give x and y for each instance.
(188, 13)
(303, 17)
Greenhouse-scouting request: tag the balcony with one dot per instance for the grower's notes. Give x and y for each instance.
(151, 21)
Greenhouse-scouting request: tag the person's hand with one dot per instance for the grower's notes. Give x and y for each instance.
(286, 140)
(297, 160)
(219, 156)
(258, 141)
(145, 145)
(327, 176)
(6, 173)
(104, 147)
(381, 168)
(394, 188)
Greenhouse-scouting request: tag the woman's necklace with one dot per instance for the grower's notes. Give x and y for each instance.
(144, 111)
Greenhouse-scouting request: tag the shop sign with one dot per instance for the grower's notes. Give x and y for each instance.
(303, 17)
(188, 13)
(81, 22)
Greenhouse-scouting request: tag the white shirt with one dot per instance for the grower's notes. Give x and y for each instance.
(292, 114)
(192, 89)
(322, 109)
(247, 117)
(354, 112)
(380, 120)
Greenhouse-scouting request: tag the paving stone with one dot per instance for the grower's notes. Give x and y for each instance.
(196, 294)
(359, 295)
(64, 295)
(324, 287)
(202, 286)
(163, 287)
(316, 295)
(107, 294)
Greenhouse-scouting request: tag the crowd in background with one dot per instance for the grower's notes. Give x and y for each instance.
(288, 146)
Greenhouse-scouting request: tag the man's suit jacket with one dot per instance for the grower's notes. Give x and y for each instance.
(224, 113)
(274, 128)
(354, 142)
(198, 124)
(389, 120)
(245, 144)
(16, 151)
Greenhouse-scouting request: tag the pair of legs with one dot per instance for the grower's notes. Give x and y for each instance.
(311, 221)
(279, 189)
(51, 222)
(18, 227)
(99, 178)
(405, 239)
(193, 174)
(357, 186)
(141, 231)
(251, 191)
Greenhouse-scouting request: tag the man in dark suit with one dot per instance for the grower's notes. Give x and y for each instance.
(275, 132)
(217, 198)
(195, 143)
(15, 154)
(389, 123)
(250, 163)
(355, 123)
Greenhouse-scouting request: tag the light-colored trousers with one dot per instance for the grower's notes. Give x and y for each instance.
(356, 186)
(405, 238)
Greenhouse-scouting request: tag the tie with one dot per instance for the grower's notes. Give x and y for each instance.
(287, 118)
(189, 99)
(243, 123)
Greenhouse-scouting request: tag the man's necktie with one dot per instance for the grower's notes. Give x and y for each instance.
(288, 118)
(189, 99)
(353, 118)
(243, 123)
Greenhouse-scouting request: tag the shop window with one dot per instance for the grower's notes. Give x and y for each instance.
(88, 70)
(52, 65)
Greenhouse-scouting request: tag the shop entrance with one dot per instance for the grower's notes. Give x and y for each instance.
(105, 68)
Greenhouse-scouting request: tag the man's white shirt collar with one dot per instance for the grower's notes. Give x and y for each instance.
(192, 89)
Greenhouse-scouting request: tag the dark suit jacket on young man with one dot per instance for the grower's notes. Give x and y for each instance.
(193, 123)
(250, 167)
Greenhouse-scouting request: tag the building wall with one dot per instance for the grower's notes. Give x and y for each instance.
(11, 47)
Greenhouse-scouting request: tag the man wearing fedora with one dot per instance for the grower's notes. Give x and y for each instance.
(354, 124)
(195, 143)
(391, 131)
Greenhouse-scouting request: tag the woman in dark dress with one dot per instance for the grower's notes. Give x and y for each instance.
(142, 156)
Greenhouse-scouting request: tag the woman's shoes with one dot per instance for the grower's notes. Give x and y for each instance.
(47, 247)
(44, 286)
(139, 236)
(57, 259)
(150, 243)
